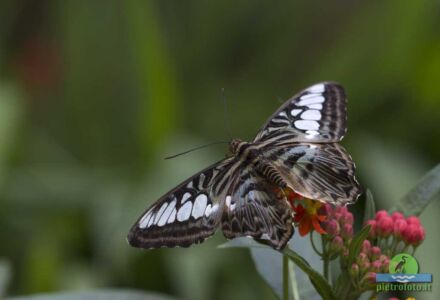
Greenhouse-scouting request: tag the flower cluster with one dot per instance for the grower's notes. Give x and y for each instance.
(339, 228)
(394, 233)
(369, 262)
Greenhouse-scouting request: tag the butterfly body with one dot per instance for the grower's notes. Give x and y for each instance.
(296, 148)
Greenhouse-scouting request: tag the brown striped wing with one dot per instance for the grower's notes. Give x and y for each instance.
(323, 172)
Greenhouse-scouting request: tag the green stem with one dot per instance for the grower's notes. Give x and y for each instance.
(285, 278)
(314, 247)
(325, 259)
(326, 267)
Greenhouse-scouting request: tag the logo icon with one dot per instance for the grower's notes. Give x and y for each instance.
(403, 276)
(403, 263)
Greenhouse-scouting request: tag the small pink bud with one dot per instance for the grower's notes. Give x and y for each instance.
(371, 277)
(326, 209)
(397, 216)
(349, 218)
(343, 210)
(375, 252)
(373, 224)
(354, 270)
(399, 227)
(385, 265)
(347, 231)
(376, 266)
(380, 214)
(385, 226)
(413, 220)
(332, 227)
(337, 244)
(345, 253)
(366, 246)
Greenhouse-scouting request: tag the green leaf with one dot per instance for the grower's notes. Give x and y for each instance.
(415, 201)
(356, 243)
(370, 206)
(104, 294)
(320, 283)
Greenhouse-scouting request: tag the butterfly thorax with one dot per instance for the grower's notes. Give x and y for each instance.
(248, 153)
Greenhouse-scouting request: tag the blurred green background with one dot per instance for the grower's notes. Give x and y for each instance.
(94, 94)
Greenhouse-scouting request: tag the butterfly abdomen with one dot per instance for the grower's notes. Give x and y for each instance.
(270, 173)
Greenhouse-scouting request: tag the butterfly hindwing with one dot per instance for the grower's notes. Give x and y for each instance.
(316, 114)
(323, 172)
(253, 209)
(186, 215)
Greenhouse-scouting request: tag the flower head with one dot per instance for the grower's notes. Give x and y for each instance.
(308, 217)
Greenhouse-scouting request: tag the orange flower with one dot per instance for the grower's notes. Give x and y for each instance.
(308, 218)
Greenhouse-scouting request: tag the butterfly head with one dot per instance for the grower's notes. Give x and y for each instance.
(234, 145)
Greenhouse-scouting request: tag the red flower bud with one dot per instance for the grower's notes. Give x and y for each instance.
(413, 220)
(337, 244)
(385, 226)
(397, 216)
(332, 227)
(347, 231)
(373, 225)
(375, 253)
(380, 214)
(399, 227)
(366, 246)
(376, 266)
(413, 234)
(354, 270)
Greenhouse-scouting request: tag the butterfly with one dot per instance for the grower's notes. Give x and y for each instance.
(296, 148)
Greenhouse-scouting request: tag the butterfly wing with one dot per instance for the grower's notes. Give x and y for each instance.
(253, 209)
(323, 172)
(317, 114)
(187, 214)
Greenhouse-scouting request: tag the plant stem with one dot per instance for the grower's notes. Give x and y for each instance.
(285, 277)
(314, 246)
(326, 267)
(325, 259)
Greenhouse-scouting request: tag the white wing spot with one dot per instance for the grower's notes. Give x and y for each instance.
(282, 114)
(166, 214)
(315, 106)
(307, 125)
(185, 197)
(199, 206)
(295, 112)
(208, 210)
(172, 217)
(310, 99)
(145, 219)
(184, 212)
(310, 134)
(311, 114)
(160, 212)
(317, 88)
(151, 220)
(228, 201)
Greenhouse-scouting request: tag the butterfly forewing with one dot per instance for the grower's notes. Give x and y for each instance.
(317, 114)
(186, 215)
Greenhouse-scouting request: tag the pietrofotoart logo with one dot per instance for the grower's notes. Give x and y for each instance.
(403, 276)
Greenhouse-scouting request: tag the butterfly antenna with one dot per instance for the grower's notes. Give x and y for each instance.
(226, 115)
(196, 148)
